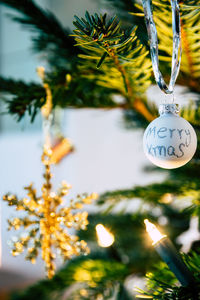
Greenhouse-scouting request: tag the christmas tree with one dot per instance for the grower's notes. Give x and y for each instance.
(107, 56)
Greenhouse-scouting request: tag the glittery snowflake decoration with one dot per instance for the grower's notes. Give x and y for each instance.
(46, 221)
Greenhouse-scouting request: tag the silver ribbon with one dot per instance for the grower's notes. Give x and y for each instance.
(153, 38)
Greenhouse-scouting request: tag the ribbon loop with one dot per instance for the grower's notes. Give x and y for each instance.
(153, 38)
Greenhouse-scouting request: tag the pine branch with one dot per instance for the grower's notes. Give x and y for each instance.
(94, 273)
(190, 30)
(54, 40)
(157, 194)
(100, 272)
(24, 97)
(166, 287)
(50, 36)
(90, 87)
(192, 114)
(186, 47)
(28, 97)
(153, 193)
(190, 24)
(124, 10)
(107, 46)
(125, 68)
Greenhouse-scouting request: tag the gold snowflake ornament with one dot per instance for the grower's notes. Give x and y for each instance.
(46, 221)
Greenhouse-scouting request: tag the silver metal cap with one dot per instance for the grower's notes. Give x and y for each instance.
(172, 108)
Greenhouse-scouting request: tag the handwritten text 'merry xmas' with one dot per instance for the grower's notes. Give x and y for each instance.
(182, 136)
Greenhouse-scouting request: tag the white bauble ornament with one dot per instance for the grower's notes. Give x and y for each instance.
(169, 141)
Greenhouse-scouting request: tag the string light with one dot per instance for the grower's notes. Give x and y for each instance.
(168, 253)
(104, 237)
(153, 232)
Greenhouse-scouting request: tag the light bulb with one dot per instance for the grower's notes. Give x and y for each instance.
(104, 237)
(153, 232)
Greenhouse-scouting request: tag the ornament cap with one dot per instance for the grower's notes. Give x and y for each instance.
(169, 108)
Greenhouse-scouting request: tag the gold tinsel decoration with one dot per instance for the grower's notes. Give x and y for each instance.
(46, 221)
(60, 145)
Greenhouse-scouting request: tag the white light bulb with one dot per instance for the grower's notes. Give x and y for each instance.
(105, 238)
(153, 232)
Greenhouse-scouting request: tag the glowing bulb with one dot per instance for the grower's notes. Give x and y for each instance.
(105, 238)
(153, 232)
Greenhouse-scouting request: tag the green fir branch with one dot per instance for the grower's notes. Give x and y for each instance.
(104, 270)
(49, 34)
(127, 11)
(190, 32)
(94, 273)
(124, 67)
(104, 40)
(152, 193)
(166, 288)
(123, 61)
(21, 97)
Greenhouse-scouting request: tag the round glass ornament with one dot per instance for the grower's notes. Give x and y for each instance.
(169, 141)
